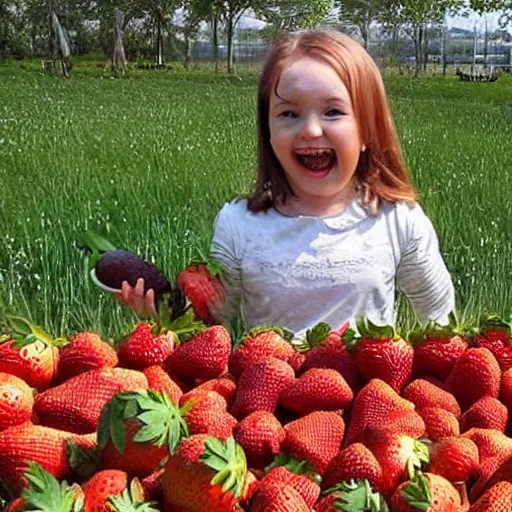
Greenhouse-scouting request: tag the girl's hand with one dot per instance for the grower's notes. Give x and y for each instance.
(134, 298)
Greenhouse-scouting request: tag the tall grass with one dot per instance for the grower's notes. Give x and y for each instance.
(149, 160)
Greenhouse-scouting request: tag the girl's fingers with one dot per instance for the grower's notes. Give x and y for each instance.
(125, 293)
(139, 288)
(150, 303)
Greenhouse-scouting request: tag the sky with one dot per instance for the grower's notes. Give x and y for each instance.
(452, 21)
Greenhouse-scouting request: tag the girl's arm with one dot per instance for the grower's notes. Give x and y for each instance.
(224, 250)
(422, 274)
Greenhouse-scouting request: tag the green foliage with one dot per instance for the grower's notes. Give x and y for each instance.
(287, 15)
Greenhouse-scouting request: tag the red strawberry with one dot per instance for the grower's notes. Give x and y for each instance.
(260, 344)
(355, 462)
(202, 285)
(487, 412)
(109, 482)
(298, 476)
(439, 423)
(437, 347)
(497, 499)
(490, 442)
(159, 380)
(30, 354)
(205, 355)
(374, 402)
(324, 348)
(76, 404)
(152, 486)
(319, 389)
(16, 401)
(147, 345)
(427, 492)
(109, 490)
(474, 365)
(352, 495)
(207, 414)
(398, 455)
(455, 458)
(423, 394)
(205, 475)
(224, 385)
(86, 351)
(506, 389)
(315, 438)
(380, 353)
(138, 430)
(496, 335)
(503, 473)
(260, 386)
(34, 443)
(260, 435)
(278, 498)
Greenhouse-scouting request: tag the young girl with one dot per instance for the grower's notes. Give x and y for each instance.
(333, 226)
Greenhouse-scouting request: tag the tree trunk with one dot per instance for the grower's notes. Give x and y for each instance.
(216, 42)
(188, 50)
(395, 47)
(444, 49)
(230, 42)
(425, 49)
(418, 49)
(159, 57)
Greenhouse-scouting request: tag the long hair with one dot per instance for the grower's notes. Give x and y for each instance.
(381, 174)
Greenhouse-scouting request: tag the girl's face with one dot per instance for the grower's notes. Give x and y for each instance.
(315, 135)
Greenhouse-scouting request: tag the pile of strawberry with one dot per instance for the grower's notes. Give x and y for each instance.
(185, 419)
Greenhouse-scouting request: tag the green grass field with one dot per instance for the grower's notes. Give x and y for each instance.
(149, 160)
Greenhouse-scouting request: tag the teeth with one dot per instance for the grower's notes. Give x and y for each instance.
(315, 152)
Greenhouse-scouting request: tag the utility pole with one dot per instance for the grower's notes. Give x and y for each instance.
(486, 40)
(473, 65)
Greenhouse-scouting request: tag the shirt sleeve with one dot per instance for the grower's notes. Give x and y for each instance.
(225, 251)
(422, 274)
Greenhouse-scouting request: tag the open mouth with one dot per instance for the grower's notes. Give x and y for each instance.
(317, 160)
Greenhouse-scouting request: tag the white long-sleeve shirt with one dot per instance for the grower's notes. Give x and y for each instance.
(299, 271)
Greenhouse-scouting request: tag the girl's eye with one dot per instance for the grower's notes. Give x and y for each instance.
(334, 112)
(288, 114)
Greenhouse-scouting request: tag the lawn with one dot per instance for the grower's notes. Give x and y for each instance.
(149, 160)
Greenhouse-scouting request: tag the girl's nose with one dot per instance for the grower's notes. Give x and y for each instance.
(312, 128)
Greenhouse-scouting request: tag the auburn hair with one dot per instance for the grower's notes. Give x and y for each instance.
(381, 173)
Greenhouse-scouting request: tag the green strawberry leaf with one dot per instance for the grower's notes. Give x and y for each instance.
(421, 455)
(358, 497)
(45, 493)
(127, 503)
(84, 462)
(186, 326)
(318, 334)
(214, 268)
(350, 338)
(117, 432)
(417, 493)
(367, 329)
(493, 322)
(227, 460)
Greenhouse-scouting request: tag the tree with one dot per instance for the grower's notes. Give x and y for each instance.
(360, 14)
(198, 11)
(287, 15)
(161, 13)
(487, 6)
(230, 12)
(415, 16)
